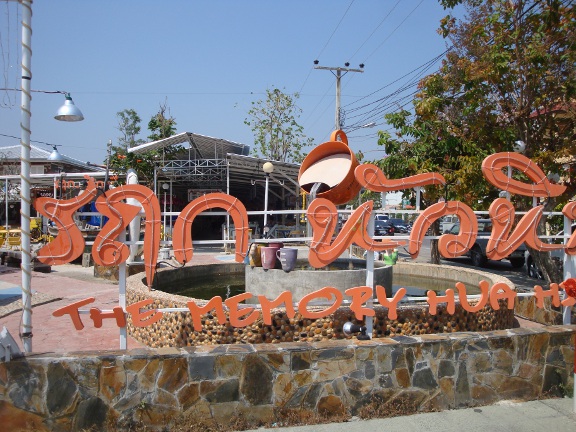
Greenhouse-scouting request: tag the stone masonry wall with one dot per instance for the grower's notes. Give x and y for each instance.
(265, 382)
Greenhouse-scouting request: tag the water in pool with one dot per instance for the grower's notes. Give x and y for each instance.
(231, 284)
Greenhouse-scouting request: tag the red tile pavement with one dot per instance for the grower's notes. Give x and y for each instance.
(57, 334)
(72, 283)
(52, 334)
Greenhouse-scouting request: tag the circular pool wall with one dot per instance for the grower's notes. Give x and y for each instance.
(342, 274)
(175, 329)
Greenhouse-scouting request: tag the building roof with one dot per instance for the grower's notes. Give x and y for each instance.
(40, 155)
(13, 152)
(200, 146)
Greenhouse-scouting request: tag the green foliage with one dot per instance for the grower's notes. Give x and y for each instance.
(129, 127)
(144, 163)
(277, 135)
(510, 76)
(162, 124)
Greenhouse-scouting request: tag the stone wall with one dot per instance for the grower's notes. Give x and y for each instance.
(265, 383)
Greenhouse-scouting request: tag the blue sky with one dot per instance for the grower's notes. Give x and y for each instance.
(209, 60)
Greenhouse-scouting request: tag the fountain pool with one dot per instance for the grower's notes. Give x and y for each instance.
(176, 330)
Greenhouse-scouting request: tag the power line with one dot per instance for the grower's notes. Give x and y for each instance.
(336, 28)
(326, 44)
(398, 26)
(47, 143)
(377, 27)
(393, 31)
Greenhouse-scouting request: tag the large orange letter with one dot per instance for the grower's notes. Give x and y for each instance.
(502, 214)
(492, 168)
(449, 245)
(323, 217)
(69, 243)
(107, 251)
(182, 240)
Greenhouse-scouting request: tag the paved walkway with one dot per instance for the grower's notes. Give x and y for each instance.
(67, 284)
(554, 415)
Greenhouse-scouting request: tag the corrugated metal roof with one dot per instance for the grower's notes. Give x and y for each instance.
(201, 146)
(13, 152)
(41, 155)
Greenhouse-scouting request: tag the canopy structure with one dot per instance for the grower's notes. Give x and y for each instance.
(199, 146)
(215, 164)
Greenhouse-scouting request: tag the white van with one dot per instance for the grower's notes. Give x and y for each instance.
(447, 222)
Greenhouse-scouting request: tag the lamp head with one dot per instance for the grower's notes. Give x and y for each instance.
(69, 112)
(519, 146)
(165, 186)
(268, 168)
(55, 156)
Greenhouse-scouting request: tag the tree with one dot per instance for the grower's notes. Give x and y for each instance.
(162, 124)
(277, 135)
(129, 126)
(510, 73)
(144, 163)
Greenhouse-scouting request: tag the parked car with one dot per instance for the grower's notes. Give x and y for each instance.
(381, 217)
(477, 252)
(399, 225)
(447, 222)
(383, 228)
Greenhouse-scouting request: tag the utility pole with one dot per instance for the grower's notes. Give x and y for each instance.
(338, 76)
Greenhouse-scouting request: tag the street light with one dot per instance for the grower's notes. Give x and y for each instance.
(69, 112)
(165, 187)
(268, 168)
(25, 200)
(55, 156)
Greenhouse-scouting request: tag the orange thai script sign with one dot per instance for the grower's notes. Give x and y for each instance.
(322, 214)
(325, 246)
(242, 316)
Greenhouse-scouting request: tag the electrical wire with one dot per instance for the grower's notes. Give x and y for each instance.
(44, 142)
(377, 27)
(336, 28)
(394, 31)
(381, 109)
(326, 44)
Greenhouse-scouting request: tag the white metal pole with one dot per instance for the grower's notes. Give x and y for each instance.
(26, 98)
(338, 95)
(266, 203)
(370, 278)
(155, 180)
(509, 176)
(164, 214)
(569, 270)
(227, 235)
(122, 293)
(171, 197)
(7, 208)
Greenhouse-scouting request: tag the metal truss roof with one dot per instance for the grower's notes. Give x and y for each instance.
(200, 146)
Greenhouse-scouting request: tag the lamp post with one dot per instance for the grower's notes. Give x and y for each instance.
(25, 200)
(165, 187)
(268, 168)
